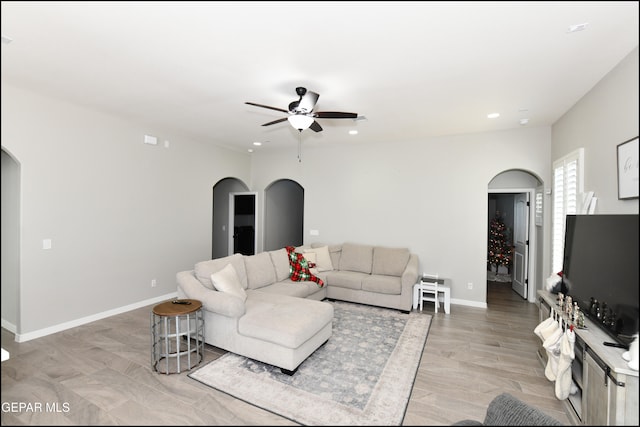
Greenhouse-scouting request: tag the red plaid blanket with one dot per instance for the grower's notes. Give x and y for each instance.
(299, 268)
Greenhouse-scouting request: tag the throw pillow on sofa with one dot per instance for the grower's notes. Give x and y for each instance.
(311, 262)
(226, 280)
(323, 259)
(311, 258)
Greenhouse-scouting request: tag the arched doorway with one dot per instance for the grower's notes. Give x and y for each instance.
(220, 211)
(515, 194)
(283, 214)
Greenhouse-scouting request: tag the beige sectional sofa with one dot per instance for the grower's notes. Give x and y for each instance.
(268, 317)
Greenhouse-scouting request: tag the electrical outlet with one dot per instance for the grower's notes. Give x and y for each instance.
(469, 285)
(154, 283)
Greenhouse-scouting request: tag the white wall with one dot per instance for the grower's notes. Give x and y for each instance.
(119, 212)
(430, 196)
(602, 119)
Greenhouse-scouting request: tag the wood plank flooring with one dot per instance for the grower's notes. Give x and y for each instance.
(99, 373)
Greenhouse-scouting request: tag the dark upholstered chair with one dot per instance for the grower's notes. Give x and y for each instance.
(507, 410)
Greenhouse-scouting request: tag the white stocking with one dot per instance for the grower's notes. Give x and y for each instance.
(543, 325)
(552, 345)
(563, 376)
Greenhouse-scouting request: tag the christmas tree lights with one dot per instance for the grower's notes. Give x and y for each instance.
(500, 249)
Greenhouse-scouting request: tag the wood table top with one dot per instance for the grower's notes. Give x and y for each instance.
(169, 308)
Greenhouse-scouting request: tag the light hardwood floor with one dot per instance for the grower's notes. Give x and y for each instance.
(99, 373)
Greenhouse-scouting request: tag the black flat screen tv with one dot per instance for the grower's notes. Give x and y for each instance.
(601, 263)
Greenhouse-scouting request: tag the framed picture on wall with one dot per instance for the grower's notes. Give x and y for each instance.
(628, 169)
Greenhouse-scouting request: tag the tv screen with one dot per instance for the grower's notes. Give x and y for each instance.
(601, 264)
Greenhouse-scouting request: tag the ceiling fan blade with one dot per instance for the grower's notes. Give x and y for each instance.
(307, 102)
(266, 106)
(315, 126)
(275, 121)
(335, 115)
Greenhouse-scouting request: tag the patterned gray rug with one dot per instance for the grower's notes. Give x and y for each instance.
(362, 376)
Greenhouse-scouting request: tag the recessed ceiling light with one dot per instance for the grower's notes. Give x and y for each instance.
(493, 115)
(353, 132)
(250, 150)
(524, 121)
(257, 143)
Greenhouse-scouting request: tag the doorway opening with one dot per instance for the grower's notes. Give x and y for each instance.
(508, 240)
(11, 214)
(283, 214)
(510, 196)
(220, 220)
(243, 223)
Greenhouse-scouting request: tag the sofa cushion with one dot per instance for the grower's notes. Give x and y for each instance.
(260, 270)
(288, 287)
(280, 261)
(283, 320)
(380, 284)
(389, 261)
(345, 279)
(204, 269)
(226, 280)
(323, 259)
(356, 257)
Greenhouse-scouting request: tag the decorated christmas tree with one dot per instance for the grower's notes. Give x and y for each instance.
(500, 249)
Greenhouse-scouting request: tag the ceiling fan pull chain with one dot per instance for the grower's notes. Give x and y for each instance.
(300, 147)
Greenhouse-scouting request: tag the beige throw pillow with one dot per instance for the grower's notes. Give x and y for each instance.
(323, 259)
(310, 257)
(226, 280)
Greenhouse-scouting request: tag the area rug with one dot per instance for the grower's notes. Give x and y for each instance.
(501, 277)
(363, 375)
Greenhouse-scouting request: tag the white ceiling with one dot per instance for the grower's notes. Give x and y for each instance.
(413, 69)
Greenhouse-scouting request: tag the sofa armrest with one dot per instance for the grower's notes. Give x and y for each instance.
(410, 274)
(213, 301)
(508, 410)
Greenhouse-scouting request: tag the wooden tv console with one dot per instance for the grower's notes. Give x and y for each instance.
(607, 388)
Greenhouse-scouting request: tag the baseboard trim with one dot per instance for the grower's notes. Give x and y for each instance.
(84, 320)
(468, 303)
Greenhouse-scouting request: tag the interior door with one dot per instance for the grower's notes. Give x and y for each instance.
(520, 277)
(242, 223)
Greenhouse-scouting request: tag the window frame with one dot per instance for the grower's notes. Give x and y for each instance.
(566, 200)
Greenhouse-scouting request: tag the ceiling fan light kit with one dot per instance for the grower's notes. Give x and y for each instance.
(300, 121)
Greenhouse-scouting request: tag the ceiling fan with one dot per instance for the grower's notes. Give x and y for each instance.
(301, 114)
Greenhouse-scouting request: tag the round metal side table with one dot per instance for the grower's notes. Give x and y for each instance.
(177, 334)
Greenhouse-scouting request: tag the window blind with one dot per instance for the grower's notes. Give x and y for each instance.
(567, 184)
